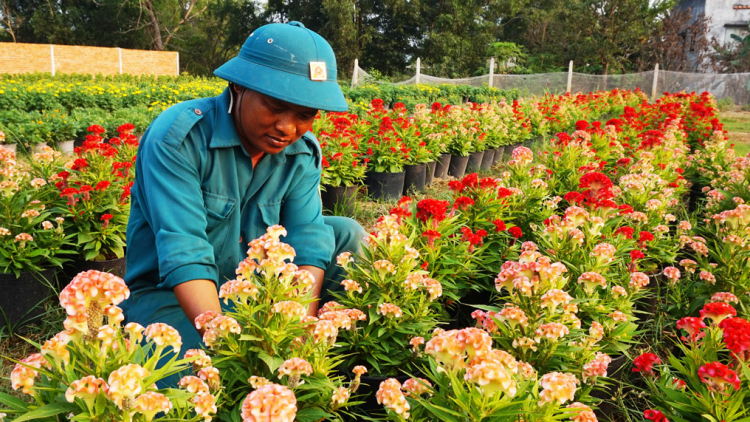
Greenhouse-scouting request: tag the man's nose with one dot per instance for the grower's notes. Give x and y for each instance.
(286, 125)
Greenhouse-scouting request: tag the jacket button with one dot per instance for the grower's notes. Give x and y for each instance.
(197, 111)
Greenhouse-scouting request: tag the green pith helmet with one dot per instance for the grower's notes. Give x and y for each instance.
(288, 62)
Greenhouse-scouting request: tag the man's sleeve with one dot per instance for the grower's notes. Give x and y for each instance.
(301, 215)
(174, 207)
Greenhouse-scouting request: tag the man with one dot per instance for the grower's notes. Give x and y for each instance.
(212, 174)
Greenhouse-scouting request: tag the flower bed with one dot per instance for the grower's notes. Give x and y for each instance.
(521, 296)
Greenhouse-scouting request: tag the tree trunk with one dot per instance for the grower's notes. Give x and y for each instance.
(155, 29)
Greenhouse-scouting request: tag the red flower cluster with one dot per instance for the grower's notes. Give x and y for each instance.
(463, 202)
(499, 225)
(737, 337)
(717, 375)
(645, 363)
(694, 327)
(515, 232)
(625, 231)
(655, 415)
(717, 311)
(432, 208)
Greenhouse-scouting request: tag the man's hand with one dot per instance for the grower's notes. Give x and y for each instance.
(319, 275)
(198, 296)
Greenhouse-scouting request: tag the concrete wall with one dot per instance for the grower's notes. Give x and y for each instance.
(723, 12)
(24, 58)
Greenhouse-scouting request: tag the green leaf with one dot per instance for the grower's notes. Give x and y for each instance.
(13, 403)
(47, 411)
(311, 415)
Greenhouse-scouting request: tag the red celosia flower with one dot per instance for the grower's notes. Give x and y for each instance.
(645, 237)
(515, 232)
(694, 327)
(106, 217)
(431, 235)
(573, 197)
(645, 363)
(636, 254)
(504, 193)
(127, 128)
(470, 180)
(463, 202)
(400, 212)
(655, 415)
(582, 125)
(595, 181)
(432, 208)
(325, 163)
(717, 375)
(64, 175)
(717, 311)
(104, 184)
(625, 231)
(68, 192)
(487, 182)
(499, 225)
(96, 129)
(79, 164)
(737, 337)
(456, 186)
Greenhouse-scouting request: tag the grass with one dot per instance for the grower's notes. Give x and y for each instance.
(737, 123)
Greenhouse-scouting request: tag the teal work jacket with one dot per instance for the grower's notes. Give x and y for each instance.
(197, 201)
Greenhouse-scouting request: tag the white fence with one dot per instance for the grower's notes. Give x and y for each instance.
(730, 85)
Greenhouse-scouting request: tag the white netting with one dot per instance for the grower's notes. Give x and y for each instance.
(732, 85)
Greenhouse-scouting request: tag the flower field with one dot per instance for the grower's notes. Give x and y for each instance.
(598, 270)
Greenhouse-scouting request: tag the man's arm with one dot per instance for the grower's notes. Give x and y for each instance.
(319, 275)
(198, 296)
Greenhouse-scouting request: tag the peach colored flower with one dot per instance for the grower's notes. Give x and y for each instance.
(295, 366)
(238, 291)
(164, 335)
(555, 297)
(210, 375)
(604, 252)
(114, 315)
(330, 306)
(725, 297)
(24, 373)
(202, 321)
(359, 370)
(205, 405)
(86, 389)
(351, 286)
(270, 402)
(596, 331)
(389, 310)
(552, 331)
(416, 387)
(585, 414)
(557, 387)
(107, 336)
(151, 403)
(125, 384)
(384, 267)
(57, 347)
(389, 394)
(344, 258)
(618, 316)
(492, 376)
(290, 309)
(591, 280)
(257, 382)
(202, 360)
(415, 342)
(193, 384)
(340, 396)
(433, 287)
(474, 342)
(619, 291)
(513, 316)
(339, 318)
(224, 325)
(638, 280)
(524, 343)
(596, 367)
(325, 331)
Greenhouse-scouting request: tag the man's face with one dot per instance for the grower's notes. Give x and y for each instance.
(269, 125)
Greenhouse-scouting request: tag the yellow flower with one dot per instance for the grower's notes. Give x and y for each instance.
(164, 335)
(151, 403)
(270, 402)
(125, 384)
(557, 387)
(86, 389)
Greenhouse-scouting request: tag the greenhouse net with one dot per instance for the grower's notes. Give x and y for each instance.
(732, 85)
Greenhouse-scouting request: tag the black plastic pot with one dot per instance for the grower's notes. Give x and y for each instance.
(498, 156)
(615, 372)
(487, 159)
(430, 176)
(71, 269)
(475, 162)
(529, 143)
(414, 177)
(442, 165)
(385, 185)
(22, 298)
(457, 167)
(339, 199)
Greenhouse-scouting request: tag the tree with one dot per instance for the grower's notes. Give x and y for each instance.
(679, 43)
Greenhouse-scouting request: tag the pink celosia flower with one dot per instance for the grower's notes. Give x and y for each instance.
(270, 402)
(557, 387)
(389, 394)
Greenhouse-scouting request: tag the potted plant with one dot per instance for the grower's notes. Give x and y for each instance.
(97, 370)
(386, 153)
(32, 237)
(343, 165)
(393, 298)
(417, 151)
(94, 197)
(266, 337)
